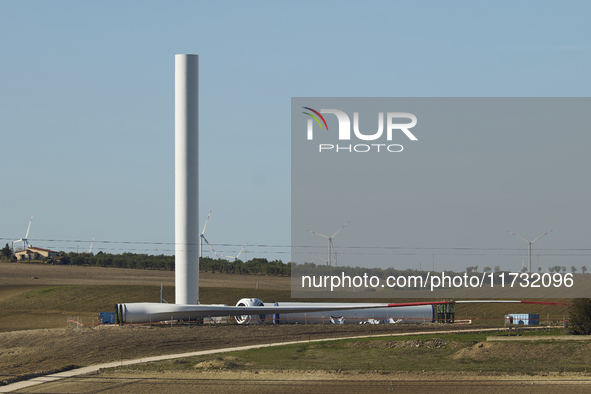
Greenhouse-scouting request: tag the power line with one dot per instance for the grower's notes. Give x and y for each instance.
(111, 246)
(365, 247)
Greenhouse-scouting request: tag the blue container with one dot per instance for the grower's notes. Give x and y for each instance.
(107, 317)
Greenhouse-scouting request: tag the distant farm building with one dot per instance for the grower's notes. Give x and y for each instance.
(32, 253)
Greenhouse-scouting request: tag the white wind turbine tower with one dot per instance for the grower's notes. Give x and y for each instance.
(529, 247)
(202, 238)
(235, 258)
(335, 255)
(330, 246)
(24, 240)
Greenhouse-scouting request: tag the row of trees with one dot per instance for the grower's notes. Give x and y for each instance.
(556, 268)
(254, 266)
(123, 260)
(162, 262)
(322, 270)
(573, 269)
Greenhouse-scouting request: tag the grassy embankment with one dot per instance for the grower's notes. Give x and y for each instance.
(434, 353)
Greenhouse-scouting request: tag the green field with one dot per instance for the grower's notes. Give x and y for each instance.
(435, 353)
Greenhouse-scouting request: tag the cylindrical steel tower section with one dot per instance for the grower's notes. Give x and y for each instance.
(404, 314)
(186, 203)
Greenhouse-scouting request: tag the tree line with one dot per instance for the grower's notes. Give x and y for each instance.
(553, 269)
(259, 266)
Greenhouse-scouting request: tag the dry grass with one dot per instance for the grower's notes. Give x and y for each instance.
(29, 351)
(56, 275)
(34, 296)
(35, 300)
(41, 296)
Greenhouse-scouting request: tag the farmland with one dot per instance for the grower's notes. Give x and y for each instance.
(35, 301)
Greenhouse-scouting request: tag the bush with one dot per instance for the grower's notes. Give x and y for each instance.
(580, 316)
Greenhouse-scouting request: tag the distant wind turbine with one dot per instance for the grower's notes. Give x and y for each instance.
(529, 247)
(25, 240)
(317, 257)
(236, 258)
(202, 238)
(330, 245)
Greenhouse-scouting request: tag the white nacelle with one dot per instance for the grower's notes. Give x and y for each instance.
(250, 319)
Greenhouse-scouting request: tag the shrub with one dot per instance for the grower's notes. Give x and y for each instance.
(580, 316)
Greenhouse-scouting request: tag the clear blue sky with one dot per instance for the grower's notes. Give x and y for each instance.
(86, 103)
